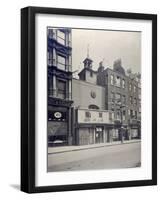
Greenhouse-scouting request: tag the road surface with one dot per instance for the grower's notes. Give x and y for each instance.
(110, 157)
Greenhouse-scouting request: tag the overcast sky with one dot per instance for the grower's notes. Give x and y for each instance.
(107, 45)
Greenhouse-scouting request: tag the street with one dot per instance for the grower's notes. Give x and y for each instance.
(109, 157)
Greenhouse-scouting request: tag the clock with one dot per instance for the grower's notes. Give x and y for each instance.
(93, 94)
(58, 115)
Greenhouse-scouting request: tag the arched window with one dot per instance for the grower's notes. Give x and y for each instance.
(93, 106)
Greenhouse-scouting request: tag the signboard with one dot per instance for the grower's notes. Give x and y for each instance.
(95, 117)
(56, 116)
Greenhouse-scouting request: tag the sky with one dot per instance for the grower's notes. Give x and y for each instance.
(106, 46)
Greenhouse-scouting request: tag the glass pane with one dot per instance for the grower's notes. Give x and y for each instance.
(61, 34)
(61, 62)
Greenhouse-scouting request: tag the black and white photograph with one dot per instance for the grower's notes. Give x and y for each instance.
(94, 99)
(89, 99)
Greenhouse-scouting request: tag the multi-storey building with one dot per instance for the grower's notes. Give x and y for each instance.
(59, 85)
(122, 97)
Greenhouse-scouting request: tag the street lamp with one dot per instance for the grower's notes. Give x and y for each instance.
(121, 112)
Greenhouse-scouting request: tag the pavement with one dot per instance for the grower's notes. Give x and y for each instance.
(63, 149)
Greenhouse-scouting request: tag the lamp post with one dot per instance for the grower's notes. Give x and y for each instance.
(121, 115)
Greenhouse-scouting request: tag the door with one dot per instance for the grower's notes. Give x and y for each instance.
(99, 135)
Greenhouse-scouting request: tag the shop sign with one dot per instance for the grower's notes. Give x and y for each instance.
(94, 116)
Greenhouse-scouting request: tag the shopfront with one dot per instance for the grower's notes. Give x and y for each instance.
(99, 134)
(93, 127)
(59, 123)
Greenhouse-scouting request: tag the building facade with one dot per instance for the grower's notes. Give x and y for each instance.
(123, 97)
(92, 122)
(59, 86)
(103, 105)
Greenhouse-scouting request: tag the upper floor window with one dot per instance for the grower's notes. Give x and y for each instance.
(118, 97)
(61, 87)
(118, 81)
(135, 101)
(124, 99)
(88, 114)
(112, 79)
(61, 62)
(131, 100)
(124, 114)
(112, 96)
(61, 37)
(123, 83)
(131, 113)
(50, 33)
(134, 88)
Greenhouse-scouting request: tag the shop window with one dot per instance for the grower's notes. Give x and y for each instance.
(115, 134)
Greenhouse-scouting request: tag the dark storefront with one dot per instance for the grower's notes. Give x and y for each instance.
(59, 122)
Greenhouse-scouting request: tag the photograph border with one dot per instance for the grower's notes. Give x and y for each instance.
(28, 91)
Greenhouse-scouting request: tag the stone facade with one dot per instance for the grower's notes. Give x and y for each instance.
(59, 86)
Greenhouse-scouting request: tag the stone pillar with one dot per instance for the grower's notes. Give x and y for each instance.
(69, 128)
(54, 86)
(104, 134)
(70, 89)
(94, 135)
(130, 134)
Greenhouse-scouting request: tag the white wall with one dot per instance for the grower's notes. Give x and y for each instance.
(81, 94)
(10, 99)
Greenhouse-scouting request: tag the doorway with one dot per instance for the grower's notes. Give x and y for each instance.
(99, 135)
